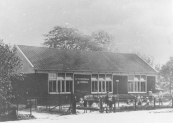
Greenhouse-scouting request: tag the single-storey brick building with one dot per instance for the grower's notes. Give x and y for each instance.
(50, 72)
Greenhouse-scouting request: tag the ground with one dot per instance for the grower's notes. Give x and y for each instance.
(147, 116)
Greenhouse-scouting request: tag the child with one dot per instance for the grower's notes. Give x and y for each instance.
(147, 103)
(160, 98)
(85, 104)
(81, 102)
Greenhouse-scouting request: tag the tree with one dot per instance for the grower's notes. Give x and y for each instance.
(102, 39)
(9, 64)
(167, 72)
(65, 38)
(69, 38)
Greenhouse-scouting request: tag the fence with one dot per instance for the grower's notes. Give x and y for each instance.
(114, 103)
(119, 103)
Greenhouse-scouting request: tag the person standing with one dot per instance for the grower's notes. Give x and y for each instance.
(150, 96)
(107, 100)
(81, 102)
(160, 98)
(110, 105)
(85, 104)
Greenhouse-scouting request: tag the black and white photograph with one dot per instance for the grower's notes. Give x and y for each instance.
(86, 61)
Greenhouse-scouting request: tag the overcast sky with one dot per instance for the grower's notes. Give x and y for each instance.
(144, 26)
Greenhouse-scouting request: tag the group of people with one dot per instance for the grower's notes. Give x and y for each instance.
(105, 103)
(150, 99)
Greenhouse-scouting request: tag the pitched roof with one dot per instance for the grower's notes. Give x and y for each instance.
(43, 58)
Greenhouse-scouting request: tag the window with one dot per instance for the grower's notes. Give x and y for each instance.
(94, 85)
(137, 83)
(52, 82)
(60, 82)
(52, 86)
(101, 83)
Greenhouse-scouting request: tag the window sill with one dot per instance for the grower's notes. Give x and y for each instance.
(137, 92)
(100, 92)
(60, 92)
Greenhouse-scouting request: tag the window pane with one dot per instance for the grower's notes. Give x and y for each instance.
(63, 86)
(59, 85)
(68, 86)
(50, 86)
(94, 77)
(143, 77)
(110, 86)
(103, 87)
(107, 85)
(136, 86)
(54, 86)
(137, 78)
(131, 86)
(61, 76)
(69, 76)
(143, 86)
(52, 76)
(94, 86)
(101, 77)
(131, 77)
(100, 86)
(108, 77)
(139, 86)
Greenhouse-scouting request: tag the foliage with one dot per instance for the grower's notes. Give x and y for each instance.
(167, 71)
(70, 38)
(102, 38)
(9, 63)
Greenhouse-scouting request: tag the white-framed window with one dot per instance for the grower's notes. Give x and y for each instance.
(60, 83)
(101, 83)
(137, 83)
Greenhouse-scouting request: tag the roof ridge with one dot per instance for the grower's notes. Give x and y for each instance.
(77, 50)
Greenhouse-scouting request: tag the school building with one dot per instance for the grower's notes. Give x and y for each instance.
(50, 72)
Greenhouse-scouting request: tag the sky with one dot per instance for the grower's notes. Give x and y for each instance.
(144, 26)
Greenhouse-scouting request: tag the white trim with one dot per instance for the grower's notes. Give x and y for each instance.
(137, 92)
(120, 74)
(101, 92)
(83, 73)
(25, 56)
(60, 92)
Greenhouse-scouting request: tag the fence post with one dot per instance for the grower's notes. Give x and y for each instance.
(49, 104)
(46, 103)
(30, 107)
(101, 105)
(35, 104)
(114, 103)
(8, 108)
(73, 100)
(135, 104)
(17, 105)
(86, 106)
(115, 106)
(59, 100)
(154, 102)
